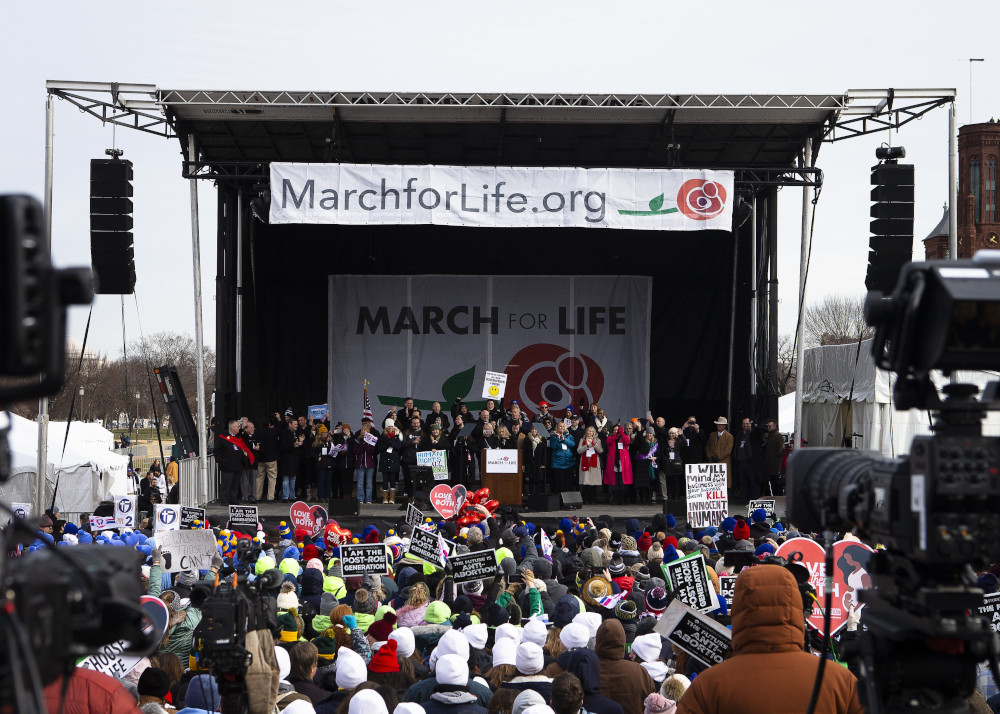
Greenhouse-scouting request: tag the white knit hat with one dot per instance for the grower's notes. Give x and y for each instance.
(529, 658)
(367, 701)
(351, 669)
(647, 647)
(477, 635)
(452, 669)
(536, 632)
(574, 636)
(286, 598)
(405, 642)
(504, 652)
(507, 630)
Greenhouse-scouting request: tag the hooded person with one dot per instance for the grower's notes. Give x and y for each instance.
(526, 700)
(768, 637)
(451, 693)
(312, 585)
(543, 570)
(626, 682)
(646, 650)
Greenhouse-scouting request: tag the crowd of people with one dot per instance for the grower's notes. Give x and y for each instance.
(567, 632)
(635, 460)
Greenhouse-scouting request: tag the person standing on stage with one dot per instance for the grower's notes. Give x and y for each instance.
(561, 447)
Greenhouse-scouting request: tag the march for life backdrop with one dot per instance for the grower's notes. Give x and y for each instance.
(506, 197)
(433, 337)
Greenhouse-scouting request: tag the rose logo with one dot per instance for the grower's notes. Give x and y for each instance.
(550, 373)
(701, 199)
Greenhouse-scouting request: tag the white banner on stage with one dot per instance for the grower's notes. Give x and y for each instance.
(433, 337)
(502, 196)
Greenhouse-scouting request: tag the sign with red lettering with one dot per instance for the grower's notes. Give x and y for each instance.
(850, 576)
(707, 496)
(447, 500)
(312, 518)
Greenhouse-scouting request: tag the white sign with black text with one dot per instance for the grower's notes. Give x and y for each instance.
(126, 511)
(365, 559)
(190, 549)
(501, 461)
(690, 583)
(707, 496)
(494, 385)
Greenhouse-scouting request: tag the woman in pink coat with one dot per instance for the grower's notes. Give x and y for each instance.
(618, 472)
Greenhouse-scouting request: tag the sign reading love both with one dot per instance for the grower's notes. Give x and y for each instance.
(311, 518)
(447, 500)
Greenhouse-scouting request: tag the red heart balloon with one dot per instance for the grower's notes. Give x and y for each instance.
(482, 495)
(335, 534)
(493, 505)
(466, 521)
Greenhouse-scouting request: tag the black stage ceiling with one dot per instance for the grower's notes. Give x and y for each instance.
(714, 347)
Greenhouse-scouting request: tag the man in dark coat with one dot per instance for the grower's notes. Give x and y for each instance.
(230, 458)
(774, 449)
(746, 460)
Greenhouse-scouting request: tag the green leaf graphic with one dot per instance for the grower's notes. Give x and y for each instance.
(458, 385)
(657, 203)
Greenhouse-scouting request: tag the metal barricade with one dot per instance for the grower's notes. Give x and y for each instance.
(193, 492)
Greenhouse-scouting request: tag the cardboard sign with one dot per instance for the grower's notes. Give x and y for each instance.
(766, 503)
(166, 517)
(424, 545)
(243, 516)
(690, 583)
(21, 510)
(414, 516)
(437, 460)
(365, 559)
(312, 518)
(702, 638)
(474, 566)
(318, 412)
(990, 609)
(501, 461)
(126, 511)
(727, 586)
(494, 385)
(447, 500)
(707, 497)
(110, 659)
(102, 523)
(187, 549)
(370, 439)
(849, 576)
(190, 515)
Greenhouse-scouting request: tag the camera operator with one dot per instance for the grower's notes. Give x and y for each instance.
(768, 641)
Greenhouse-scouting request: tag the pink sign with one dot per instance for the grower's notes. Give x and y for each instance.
(447, 500)
(311, 518)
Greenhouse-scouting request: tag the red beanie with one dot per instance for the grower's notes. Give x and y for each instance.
(670, 540)
(741, 531)
(385, 659)
(310, 552)
(381, 629)
(373, 537)
(301, 534)
(644, 542)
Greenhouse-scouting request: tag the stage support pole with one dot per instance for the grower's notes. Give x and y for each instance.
(952, 183)
(732, 326)
(774, 392)
(202, 488)
(800, 332)
(38, 507)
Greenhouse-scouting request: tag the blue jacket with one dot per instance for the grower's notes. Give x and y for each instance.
(562, 458)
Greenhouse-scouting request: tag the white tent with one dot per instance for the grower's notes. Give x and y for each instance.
(85, 473)
(844, 393)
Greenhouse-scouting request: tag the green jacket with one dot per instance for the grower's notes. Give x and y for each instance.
(182, 633)
(335, 585)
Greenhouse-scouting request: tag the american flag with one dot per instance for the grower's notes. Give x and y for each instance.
(367, 413)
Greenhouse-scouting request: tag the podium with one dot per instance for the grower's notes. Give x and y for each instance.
(501, 474)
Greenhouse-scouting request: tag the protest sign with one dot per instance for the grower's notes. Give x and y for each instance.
(311, 518)
(125, 511)
(186, 549)
(102, 523)
(424, 545)
(318, 412)
(21, 510)
(727, 586)
(990, 609)
(702, 638)
(414, 516)
(766, 503)
(494, 385)
(365, 559)
(437, 460)
(849, 576)
(243, 516)
(190, 515)
(690, 583)
(448, 500)
(111, 660)
(166, 517)
(501, 461)
(474, 566)
(707, 498)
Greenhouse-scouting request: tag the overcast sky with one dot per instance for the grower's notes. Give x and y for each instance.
(538, 45)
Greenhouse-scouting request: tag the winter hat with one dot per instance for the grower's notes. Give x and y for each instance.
(351, 670)
(647, 647)
(628, 543)
(534, 631)
(573, 636)
(656, 600)
(384, 660)
(728, 524)
(626, 611)
(263, 564)
(405, 642)
(741, 531)
(154, 682)
(367, 701)
(658, 704)
(541, 568)
(310, 552)
(566, 609)
(590, 620)
(617, 567)
(670, 554)
(529, 658)
(452, 642)
(509, 632)
(436, 612)
(987, 582)
(656, 551)
(203, 693)
(452, 669)
(640, 572)
(477, 635)
(526, 700)
(504, 652)
(644, 542)
(291, 552)
(365, 603)
(595, 589)
(494, 615)
(284, 662)
(73, 529)
(764, 548)
(473, 587)
(327, 603)
(326, 645)
(671, 522)
(382, 629)
(284, 531)
(286, 598)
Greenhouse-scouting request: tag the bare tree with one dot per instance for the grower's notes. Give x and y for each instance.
(786, 365)
(836, 320)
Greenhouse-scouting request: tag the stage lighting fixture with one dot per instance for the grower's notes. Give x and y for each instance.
(260, 207)
(885, 153)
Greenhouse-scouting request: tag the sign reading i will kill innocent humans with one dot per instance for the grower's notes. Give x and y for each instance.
(707, 497)
(365, 559)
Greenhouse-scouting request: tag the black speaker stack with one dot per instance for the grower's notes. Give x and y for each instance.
(111, 250)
